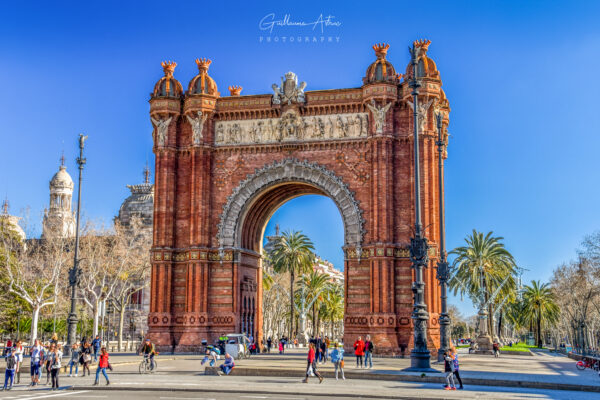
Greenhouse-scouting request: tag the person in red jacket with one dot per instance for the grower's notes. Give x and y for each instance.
(102, 365)
(312, 364)
(359, 351)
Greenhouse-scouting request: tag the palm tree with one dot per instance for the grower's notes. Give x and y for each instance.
(481, 267)
(539, 306)
(315, 282)
(332, 308)
(292, 252)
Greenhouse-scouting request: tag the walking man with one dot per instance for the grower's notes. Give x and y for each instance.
(96, 343)
(368, 352)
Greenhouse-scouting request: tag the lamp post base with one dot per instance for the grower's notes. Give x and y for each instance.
(420, 362)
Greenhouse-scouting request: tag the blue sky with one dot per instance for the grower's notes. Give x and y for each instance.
(521, 77)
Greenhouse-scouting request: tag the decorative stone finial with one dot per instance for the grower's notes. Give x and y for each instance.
(203, 64)
(381, 50)
(5, 206)
(146, 174)
(423, 44)
(168, 67)
(62, 159)
(235, 90)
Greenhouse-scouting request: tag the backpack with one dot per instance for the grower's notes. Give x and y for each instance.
(10, 362)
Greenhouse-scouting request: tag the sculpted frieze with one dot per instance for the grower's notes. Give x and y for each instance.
(292, 127)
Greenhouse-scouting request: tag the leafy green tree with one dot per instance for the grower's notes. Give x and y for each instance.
(316, 282)
(332, 306)
(539, 307)
(481, 267)
(292, 252)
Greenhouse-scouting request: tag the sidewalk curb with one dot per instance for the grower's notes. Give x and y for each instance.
(271, 392)
(406, 377)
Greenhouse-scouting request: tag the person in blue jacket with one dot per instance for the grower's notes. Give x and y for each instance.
(337, 358)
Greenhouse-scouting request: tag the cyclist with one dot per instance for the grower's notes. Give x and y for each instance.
(149, 351)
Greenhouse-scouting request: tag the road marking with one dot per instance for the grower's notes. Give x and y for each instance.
(49, 395)
(186, 398)
(255, 397)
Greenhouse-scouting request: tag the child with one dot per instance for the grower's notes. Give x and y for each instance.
(11, 364)
(449, 370)
(337, 358)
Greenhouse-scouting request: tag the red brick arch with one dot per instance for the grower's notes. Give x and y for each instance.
(224, 165)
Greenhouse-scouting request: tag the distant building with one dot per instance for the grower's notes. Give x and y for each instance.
(140, 204)
(59, 219)
(11, 220)
(325, 267)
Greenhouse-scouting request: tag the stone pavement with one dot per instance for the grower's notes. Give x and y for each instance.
(538, 374)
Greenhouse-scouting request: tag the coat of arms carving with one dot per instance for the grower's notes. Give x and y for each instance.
(289, 91)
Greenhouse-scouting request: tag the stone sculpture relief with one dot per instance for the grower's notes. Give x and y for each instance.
(162, 126)
(289, 91)
(197, 126)
(292, 127)
(422, 113)
(379, 115)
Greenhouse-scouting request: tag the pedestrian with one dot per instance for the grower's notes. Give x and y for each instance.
(456, 373)
(18, 352)
(54, 338)
(96, 344)
(211, 354)
(319, 349)
(337, 358)
(359, 352)
(227, 365)
(449, 370)
(311, 366)
(86, 358)
(369, 351)
(9, 345)
(75, 353)
(55, 357)
(102, 365)
(281, 346)
(327, 344)
(48, 362)
(269, 344)
(324, 350)
(496, 347)
(36, 362)
(9, 373)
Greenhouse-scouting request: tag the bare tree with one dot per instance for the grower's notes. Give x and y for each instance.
(132, 262)
(34, 270)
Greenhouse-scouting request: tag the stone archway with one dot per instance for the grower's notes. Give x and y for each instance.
(295, 173)
(225, 163)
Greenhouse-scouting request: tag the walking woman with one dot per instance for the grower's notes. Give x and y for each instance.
(86, 358)
(102, 365)
(37, 359)
(48, 363)
(311, 364)
(55, 358)
(454, 355)
(337, 358)
(18, 351)
(359, 352)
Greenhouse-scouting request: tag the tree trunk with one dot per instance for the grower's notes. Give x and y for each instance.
(96, 311)
(500, 325)
(121, 319)
(34, 323)
(314, 319)
(539, 331)
(291, 333)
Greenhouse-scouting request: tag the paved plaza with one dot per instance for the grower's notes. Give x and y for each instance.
(273, 376)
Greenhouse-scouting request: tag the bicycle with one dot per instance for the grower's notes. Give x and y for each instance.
(148, 365)
(587, 363)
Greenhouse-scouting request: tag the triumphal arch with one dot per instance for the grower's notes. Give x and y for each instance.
(224, 164)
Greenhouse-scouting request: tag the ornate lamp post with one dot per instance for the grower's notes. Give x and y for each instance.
(75, 272)
(420, 355)
(443, 269)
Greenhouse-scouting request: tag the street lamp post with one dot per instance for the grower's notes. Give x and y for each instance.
(420, 355)
(443, 269)
(75, 272)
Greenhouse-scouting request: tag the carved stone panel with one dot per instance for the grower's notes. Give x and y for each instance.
(292, 127)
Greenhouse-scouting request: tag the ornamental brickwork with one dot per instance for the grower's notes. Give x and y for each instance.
(224, 164)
